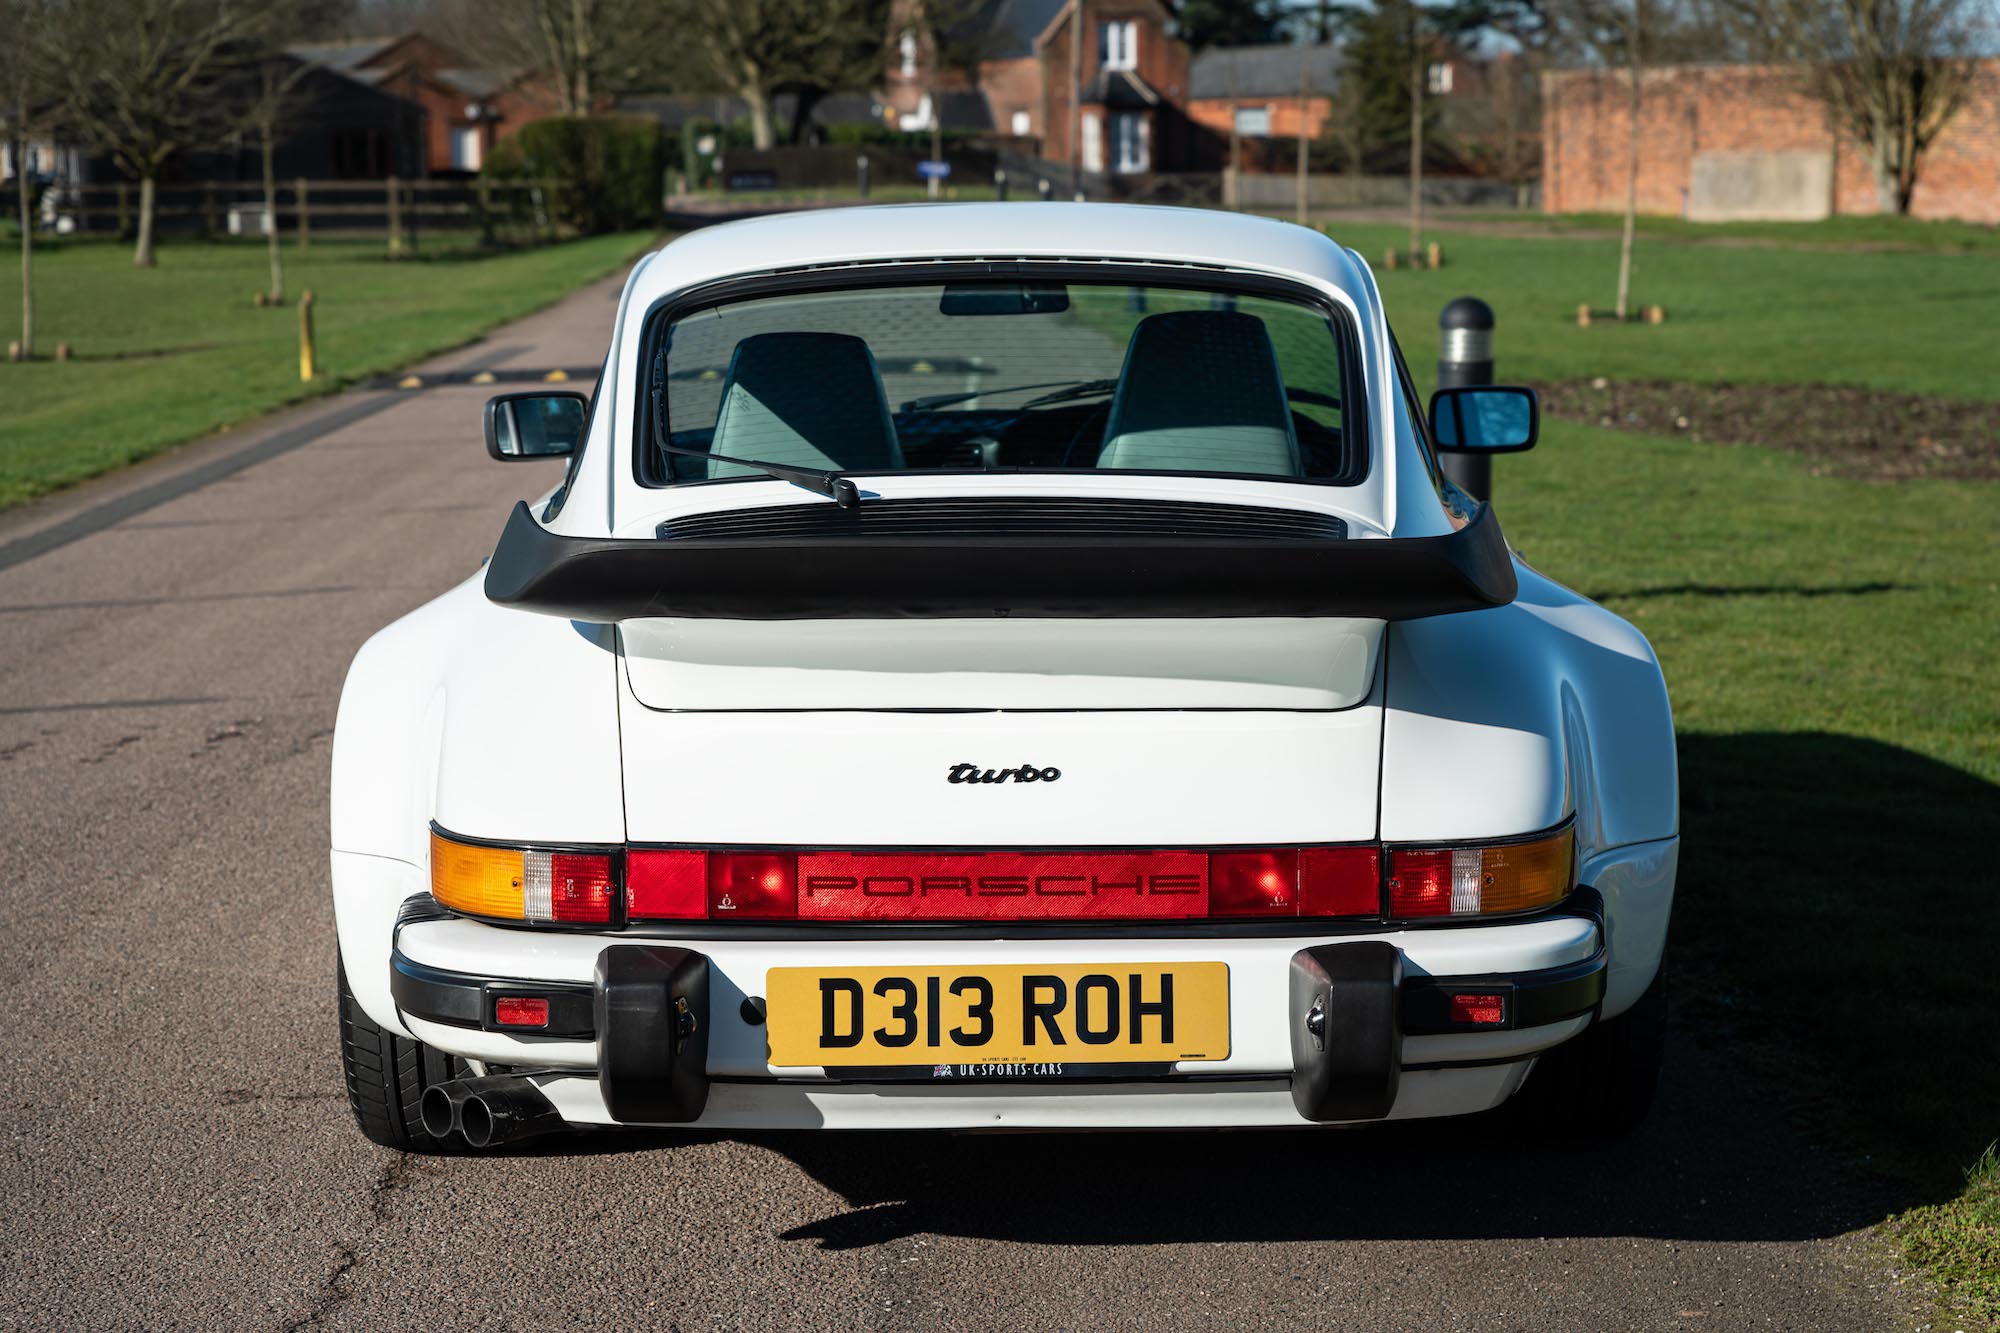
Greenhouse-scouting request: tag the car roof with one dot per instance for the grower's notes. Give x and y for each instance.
(837, 236)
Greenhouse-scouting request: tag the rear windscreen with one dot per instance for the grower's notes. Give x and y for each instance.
(992, 375)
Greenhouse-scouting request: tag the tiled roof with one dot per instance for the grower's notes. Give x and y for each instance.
(1262, 71)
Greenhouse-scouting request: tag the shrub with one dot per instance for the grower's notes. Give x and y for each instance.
(604, 172)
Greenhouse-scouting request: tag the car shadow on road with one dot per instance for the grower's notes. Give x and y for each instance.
(1833, 940)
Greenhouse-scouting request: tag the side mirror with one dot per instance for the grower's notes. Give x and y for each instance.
(534, 425)
(1485, 420)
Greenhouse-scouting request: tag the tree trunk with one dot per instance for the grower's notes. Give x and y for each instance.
(1631, 178)
(579, 11)
(1416, 138)
(142, 253)
(271, 217)
(932, 185)
(27, 248)
(1305, 110)
(761, 135)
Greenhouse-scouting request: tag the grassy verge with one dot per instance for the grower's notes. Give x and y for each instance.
(165, 356)
(1830, 645)
(1959, 1243)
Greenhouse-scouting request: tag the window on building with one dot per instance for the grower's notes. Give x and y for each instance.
(1021, 125)
(1118, 44)
(1092, 129)
(1253, 122)
(1440, 78)
(465, 148)
(906, 52)
(1131, 142)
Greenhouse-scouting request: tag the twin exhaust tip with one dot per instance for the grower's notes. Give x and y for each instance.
(488, 1112)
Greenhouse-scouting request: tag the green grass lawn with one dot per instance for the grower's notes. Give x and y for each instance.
(1830, 646)
(1909, 323)
(167, 355)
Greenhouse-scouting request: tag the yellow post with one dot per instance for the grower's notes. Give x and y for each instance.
(308, 357)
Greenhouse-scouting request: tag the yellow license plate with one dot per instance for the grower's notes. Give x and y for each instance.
(1074, 1014)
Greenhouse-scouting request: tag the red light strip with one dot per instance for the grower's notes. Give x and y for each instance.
(680, 885)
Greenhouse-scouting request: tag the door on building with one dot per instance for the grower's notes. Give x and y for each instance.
(1131, 142)
(465, 148)
(1092, 130)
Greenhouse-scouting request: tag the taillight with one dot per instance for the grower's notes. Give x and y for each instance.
(1470, 881)
(521, 1011)
(521, 884)
(691, 884)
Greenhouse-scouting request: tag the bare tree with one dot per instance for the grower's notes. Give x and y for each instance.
(752, 48)
(1617, 33)
(146, 79)
(24, 86)
(277, 99)
(584, 49)
(955, 41)
(1892, 73)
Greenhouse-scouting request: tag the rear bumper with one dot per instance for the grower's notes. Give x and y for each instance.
(1323, 1030)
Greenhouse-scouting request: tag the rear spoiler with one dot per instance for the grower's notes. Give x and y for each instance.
(795, 577)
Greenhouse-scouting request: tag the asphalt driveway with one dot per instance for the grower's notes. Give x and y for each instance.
(179, 1151)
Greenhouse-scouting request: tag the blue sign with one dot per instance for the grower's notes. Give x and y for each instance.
(933, 170)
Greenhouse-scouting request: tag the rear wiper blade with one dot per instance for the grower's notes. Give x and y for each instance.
(830, 484)
(938, 400)
(1082, 389)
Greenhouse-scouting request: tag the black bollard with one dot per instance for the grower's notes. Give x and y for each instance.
(1044, 189)
(1465, 360)
(1000, 184)
(861, 175)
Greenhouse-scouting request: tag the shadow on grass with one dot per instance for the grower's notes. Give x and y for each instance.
(1723, 590)
(1830, 1063)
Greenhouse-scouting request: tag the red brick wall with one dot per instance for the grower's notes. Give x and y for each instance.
(1691, 109)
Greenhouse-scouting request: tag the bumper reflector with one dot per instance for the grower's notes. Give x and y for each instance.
(517, 1011)
(1486, 1010)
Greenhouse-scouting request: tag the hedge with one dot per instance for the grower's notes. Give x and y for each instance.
(606, 170)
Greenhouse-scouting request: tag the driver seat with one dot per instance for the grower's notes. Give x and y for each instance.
(809, 399)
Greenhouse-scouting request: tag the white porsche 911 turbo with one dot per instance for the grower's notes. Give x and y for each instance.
(1001, 665)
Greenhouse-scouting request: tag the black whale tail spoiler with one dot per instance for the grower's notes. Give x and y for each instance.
(821, 577)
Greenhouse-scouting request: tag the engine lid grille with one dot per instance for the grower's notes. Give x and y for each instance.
(960, 517)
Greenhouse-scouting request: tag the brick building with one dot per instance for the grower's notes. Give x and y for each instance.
(1746, 141)
(456, 111)
(1133, 77)
(1257, 88)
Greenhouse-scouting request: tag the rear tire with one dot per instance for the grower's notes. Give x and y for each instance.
(1600, 1083)
(386, 1078)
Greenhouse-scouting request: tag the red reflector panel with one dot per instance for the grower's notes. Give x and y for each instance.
(1419, 884)
(516, 1011)
(666, 885)
(1262, 883)
(1340, 881)
(1478, 1009)
(753, 884)
(1001, 886)
(579, 888)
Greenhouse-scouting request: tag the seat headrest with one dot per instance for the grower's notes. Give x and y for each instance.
(809, 399)
(1201, 392)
